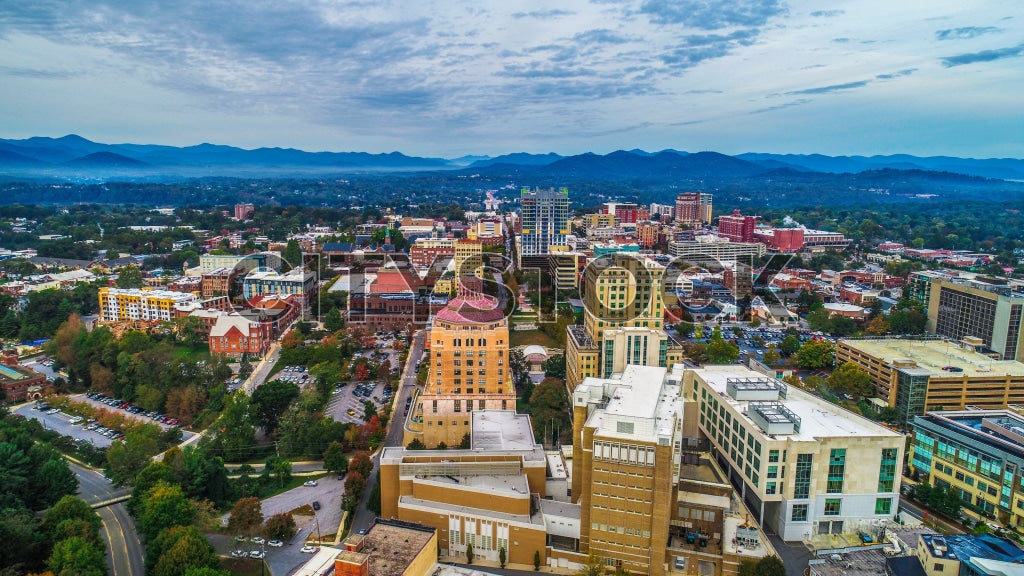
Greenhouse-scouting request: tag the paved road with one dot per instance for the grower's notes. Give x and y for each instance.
(124, 551)
(363, 516)
(263, 367)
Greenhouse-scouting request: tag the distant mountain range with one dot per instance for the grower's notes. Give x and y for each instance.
(78, 159)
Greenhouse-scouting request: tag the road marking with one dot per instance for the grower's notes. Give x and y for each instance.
(124, 539)
(113, 563)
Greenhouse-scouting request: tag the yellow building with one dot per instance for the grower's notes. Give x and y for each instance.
(622, 320)
(468, 358)
(916, 376)
(469, 258)
(600, 220)
(133, 304)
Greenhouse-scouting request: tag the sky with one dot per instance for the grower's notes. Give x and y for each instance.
(446, 78)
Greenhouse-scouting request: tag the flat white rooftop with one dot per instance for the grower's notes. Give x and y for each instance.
(934, 355)
(640, 394)
(501, 430)
(505, 485)
(818, 418)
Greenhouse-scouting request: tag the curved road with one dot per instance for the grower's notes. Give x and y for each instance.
(124, 551)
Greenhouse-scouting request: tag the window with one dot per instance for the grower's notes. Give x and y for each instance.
(833, 506)
(883, 506)
(773, 456)
(799, 513)
(773, 471)
(836, 470)
(458, 405)
(802, 483)
(887, 470)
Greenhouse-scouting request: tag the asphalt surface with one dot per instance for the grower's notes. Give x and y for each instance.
(60, 422)
(263, 367)
(185, 435)
(124, 551)
(363, 516)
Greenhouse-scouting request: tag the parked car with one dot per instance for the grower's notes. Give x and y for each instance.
(309, 483)
(275, 543)
(257, 554)
(238, 554)
(316, 505)
(258, 540)
(309, 550)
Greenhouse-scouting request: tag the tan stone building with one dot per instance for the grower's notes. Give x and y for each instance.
(622, 320)
(468, 359)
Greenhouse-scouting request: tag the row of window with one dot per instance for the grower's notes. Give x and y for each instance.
(619, 530)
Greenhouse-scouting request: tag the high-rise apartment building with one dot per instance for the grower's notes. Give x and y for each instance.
(622, 320)
(545, 220)
(989, 311)
(802, 465)
(693, 208)
(468, 359)
(133, 304)
(737, 227)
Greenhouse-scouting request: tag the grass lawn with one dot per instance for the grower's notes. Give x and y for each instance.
(527, 337)
(197, 353)
(243, 566)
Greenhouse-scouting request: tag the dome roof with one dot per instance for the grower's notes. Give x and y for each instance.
(534, 349)
(476, 310)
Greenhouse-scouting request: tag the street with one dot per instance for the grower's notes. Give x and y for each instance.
(124, 551)
(363, 516)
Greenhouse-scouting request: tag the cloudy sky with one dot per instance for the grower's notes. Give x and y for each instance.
(454, 77)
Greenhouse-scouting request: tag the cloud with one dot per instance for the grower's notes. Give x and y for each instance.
(600, 36)
(965, 33)
(841, 40)
(790, 104)
(27, 72)
(543, 14)
(831, 88)
(827, 13)
(983, 56)
(899, 74)
(712, 14)
(697, 48)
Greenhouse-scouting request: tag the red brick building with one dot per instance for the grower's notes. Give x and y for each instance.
(234, 335)
(737, 227)
(19, 383)
(781, 239)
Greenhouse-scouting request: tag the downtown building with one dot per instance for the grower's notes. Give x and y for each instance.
(545, 221)
(622, 320)
(693, 209)
(988, 311)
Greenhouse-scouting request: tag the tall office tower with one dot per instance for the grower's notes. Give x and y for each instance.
(622, 320)
(737, 227)
(627, 434)
(693, 208)
(468, 358)
(987, 311)
(545, 220)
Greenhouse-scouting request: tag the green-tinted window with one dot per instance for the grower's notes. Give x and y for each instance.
(833, 506)
(883, 506)
(799, 513)
(887, 471)
(836, 470)
(773, 471)
(802, 483)
(773, 456)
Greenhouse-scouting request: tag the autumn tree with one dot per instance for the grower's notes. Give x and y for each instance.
(246, 516)
(361, 463)
(280, 527)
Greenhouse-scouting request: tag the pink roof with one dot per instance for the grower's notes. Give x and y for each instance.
(473, 310)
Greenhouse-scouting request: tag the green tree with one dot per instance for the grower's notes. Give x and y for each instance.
(373, 503)
(851, 379)
(127, 457)
(820, 320)
(77, 556)
(68, 517)
(816, 354)
(469, 553)
(593, 566)
(536, 560)
(501, 556)
(333, 321)
(23, 546)
(369, 410)
(246, 516)
(335, 459)
(280, 527)
(747, 567)
(279, 469)
(790, 345)
(52, 481)
(129, 277)
(720, 351)
(270, 400)
(205, 571)
(165, 507)
(149, 477)
(416, 444)
(466, 443)
(770, 566)
(233, 434)
(180, 548)
(771, 355)
(549, 408)
(554, 367)
(292, 253)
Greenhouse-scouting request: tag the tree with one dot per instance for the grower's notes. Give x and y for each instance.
(770, 566)
(466, 443)
(280, 527)
(165, 507)
(270, 400)
(554, 367)
(205, 571)
(373, 502)
(469, 553)
(335, 459)
(127, 457)
(52, 482)
(878, 326)
(292, 253)
(67, 518)
(244, 367)
(536, 560)
(369, 410)
(355, 483)
(816, 354)
(719, 351)
(747, 567)
(333, 321)
(790, 345)
(180, 548)
(593, 566)
(278, 468)
(851, 379)
(820, 320)
(549, 408)
(76, 556)
(233, 433)
(771, 355)
(129, 277)
(416, 444)
(246, 516)
(501, 556)
(361, 463)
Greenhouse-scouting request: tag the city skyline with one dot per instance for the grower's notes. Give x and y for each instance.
(458, 78)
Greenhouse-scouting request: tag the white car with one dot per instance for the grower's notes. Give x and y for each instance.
(239, 554)
(309, 483)
(309, 550)
(258, 540)
(275, 543)
(258, 554)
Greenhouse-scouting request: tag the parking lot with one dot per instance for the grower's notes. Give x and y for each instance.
(298, 375)
(285, 560)
(345, 400)
(61, 423)
(141, 416)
